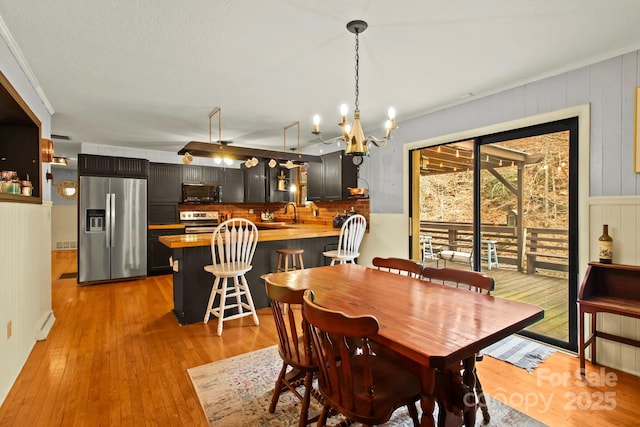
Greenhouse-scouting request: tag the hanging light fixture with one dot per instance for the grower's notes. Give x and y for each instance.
(223, 152)
(353, 136)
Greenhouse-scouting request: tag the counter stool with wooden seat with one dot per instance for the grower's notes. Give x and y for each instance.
(284, 254)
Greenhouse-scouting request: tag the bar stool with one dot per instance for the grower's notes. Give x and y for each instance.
(284, 254)
(427, 247)
(492, 253)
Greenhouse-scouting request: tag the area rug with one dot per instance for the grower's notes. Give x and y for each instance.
(236, 392)
(519, 351)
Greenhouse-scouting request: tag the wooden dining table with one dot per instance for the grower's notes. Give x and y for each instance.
(436, 328)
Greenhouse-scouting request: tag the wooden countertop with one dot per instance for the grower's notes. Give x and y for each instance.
(292, 231)
(165, 226)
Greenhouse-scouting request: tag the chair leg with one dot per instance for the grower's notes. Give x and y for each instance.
(413, 413)
(212, 298)
(306, 400)
(223, 300)
(482, 401)
(249, 300)
(322, 419)
(237, 289)
(277, 389)
(333, 261)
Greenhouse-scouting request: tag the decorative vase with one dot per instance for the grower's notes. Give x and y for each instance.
(605, 245)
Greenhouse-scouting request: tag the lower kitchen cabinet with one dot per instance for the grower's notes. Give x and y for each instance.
(157, 253)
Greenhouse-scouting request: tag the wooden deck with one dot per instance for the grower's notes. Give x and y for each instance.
(548, 291)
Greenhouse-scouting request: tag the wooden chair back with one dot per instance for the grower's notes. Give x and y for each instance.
(407, 267)
(473, 280)
(294, 343)
(353, 380)
(351, 235)
(233, 244)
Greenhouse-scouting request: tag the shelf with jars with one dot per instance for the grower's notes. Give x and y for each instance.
(22, 150)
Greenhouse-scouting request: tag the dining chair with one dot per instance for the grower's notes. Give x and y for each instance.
(474, 281)
(233, 244)
(407, 267)
(361, 385)
(294, 346)
(351, 235)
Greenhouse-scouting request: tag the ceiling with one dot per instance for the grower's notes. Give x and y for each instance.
(147, 74)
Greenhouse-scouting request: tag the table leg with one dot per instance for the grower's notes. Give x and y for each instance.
(427, 399)
(581, 347)
(469, 379)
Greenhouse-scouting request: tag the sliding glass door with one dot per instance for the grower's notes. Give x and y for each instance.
(505, 204)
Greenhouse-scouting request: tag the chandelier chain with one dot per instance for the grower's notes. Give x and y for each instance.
(357, 106)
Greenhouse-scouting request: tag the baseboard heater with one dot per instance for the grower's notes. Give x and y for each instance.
(46, 325)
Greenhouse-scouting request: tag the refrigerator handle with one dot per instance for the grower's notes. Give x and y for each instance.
(107, 222)
(113, 218)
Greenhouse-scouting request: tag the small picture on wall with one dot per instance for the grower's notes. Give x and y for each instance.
(636, 145)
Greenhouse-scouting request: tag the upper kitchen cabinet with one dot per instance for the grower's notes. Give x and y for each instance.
(165, 183)
(201, 174)
(233, 186)
(329, 180)
(20, 148)
(279, 183)
(90, 164)
(255, 184)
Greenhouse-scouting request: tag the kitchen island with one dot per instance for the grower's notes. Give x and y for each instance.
(191, 252)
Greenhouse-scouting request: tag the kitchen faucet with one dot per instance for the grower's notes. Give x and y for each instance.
(295, 219)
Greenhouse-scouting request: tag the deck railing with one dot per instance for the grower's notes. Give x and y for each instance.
(449, 235)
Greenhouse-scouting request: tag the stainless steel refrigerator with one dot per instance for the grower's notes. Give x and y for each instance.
(112, 229)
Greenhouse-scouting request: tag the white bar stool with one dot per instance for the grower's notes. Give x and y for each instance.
(492, 253)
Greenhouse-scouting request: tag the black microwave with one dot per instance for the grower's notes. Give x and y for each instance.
(201, 193)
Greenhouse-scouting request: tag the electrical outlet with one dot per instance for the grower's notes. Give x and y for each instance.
(9, 331)
(250, 211)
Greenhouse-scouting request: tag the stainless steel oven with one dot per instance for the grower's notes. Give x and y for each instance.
(199, 221)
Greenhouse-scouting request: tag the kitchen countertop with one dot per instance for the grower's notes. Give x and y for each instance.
(276, 232)
(165, 226)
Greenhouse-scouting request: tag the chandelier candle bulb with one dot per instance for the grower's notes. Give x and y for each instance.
(343, 113)
(316, 123)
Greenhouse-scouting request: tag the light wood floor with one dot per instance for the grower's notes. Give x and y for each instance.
(117, 356)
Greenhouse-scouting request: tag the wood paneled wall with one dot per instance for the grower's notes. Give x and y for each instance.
(622, 214)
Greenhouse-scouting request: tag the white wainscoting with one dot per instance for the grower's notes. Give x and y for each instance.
(388, 237)
(25, 284)
(622, 214)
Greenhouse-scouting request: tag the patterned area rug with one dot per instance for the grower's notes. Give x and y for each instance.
(237, 391)
(523, 353)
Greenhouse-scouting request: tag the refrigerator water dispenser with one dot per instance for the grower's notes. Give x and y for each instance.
(95, 220)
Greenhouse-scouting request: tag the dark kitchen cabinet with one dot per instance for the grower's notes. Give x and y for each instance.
(329, 180)
(255, 184)
(202, 174)
(165, 183)
(192, 174)
(315, 186)
(213, 175)
(233, 186)
(261, 184)
(163, 213)
(275, 194)
(157, 253)
(94, 165)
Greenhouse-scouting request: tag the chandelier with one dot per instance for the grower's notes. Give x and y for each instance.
(353, 136)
